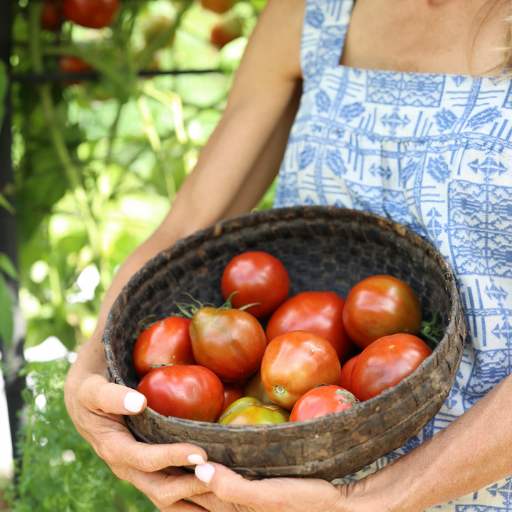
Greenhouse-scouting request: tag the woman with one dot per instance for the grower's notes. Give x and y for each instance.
(390, 121)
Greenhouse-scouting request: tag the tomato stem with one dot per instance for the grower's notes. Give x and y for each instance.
(430, 330)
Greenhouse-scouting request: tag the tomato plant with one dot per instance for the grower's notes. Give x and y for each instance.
(250, 411)
(165, 342)
(51, 15)
(321, 401)
(232, 393)
(229, 342)
(380, 306)
(218, 6)
(254, 388)
(185, 391)
(257, 277)
(225, 31)
(317, 312)
(385, 362)
(296, 362)
(346, 373)
(91, 13)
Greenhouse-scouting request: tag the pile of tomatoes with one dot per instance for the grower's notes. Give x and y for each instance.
(318, 355)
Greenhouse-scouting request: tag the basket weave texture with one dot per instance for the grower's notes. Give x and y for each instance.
(322, 248)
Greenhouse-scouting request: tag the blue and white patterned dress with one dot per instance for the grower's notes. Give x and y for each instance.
(433, 152)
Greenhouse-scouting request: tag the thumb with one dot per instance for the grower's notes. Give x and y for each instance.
(99, 394)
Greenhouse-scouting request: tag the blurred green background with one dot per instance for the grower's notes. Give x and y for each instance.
(97, 165)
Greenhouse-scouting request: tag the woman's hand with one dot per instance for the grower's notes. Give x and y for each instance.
(97, 408)
(233, 493)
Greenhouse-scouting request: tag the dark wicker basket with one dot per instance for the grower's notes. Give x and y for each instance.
(323, 248)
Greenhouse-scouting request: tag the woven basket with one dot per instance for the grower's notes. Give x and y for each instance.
(323, 248)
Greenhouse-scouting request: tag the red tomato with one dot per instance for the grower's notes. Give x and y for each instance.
(51, 15)
(189, 392)
(385, 362)
(380, 306)
(296, 362)
(256, 277)
(346, 373)
(218, 6)
(317, 312)
(91, 13)
(249, 411)
(321, 401)
(254, 388)
(226, 31)
(165, 342)
(229, 342)
(232, 393)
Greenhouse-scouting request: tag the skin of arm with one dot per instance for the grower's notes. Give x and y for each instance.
(234, 169)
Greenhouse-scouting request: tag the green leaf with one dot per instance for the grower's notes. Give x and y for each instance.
(5, 203)
(7, 266)
(6, 317)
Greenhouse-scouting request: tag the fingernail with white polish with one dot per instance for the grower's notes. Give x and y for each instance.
(133, 402)
(195, 459)
(205, 472)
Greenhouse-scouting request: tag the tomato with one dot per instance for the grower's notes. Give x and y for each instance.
(317, 312)
(254, 388)
(379, 306)
(346, 373)
(321, 401)
(91, 13)
(51, 15)
(232, 392)
(165, 342)
(257, 277)
(229, 342)
(185, 391)
(385, 362)
(249, 411)
(153, 26)
(225, 31)
(73, 65)
(296, 362)
(218, 6)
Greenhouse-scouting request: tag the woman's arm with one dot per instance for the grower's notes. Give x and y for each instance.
(234, 169)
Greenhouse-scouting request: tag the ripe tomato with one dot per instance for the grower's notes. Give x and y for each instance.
(232, 392)
(317, 312)
(249, 411)
(256, 277)
(226, 31)
(385, 362)
(296, 362)
(229, 342)
(51, 15)
(218, 6)
(91, 13)
(73, 65)
(254, 388)
(321, 401)
(379, 306)
(189, 392)
(165, 342)
(346, 373)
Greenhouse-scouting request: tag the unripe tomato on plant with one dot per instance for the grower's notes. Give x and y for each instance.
(317, 312)
(232, 393)
(165, 342)
(218, 6)
(380, 306)
(296, 362)
(346, 373)
(385, 362)
(321, 401)
(225, 31)
(229, 342)
(184, 391)
(91, 13)
(250, 411)
(52, 15)
(256, 277)
(154, 26)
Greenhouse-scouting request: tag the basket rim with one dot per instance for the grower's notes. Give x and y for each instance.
(203, 236)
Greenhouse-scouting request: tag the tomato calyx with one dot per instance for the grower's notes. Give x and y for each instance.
(431, 330)
(144, 324)
(189, 310)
